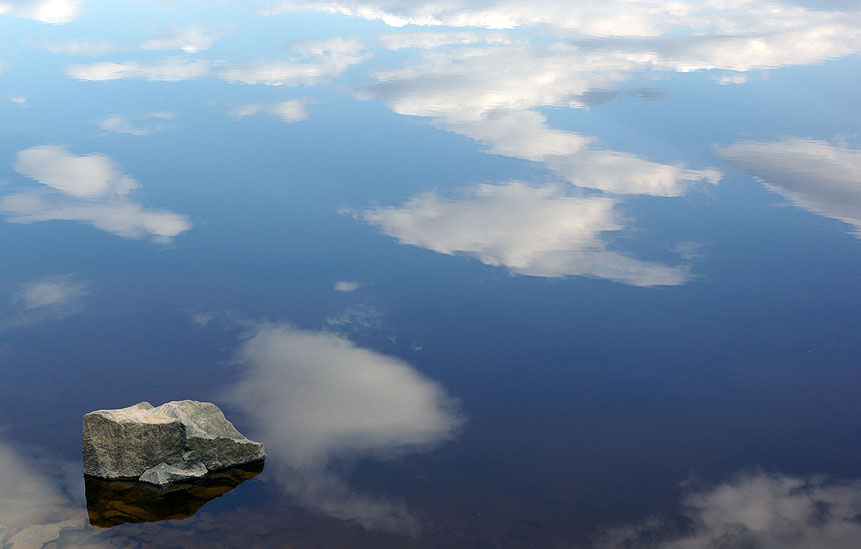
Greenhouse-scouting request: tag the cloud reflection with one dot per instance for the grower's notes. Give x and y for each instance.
(820, 177)
(490, 94)
(288, 111)
(46, 11)
(760, 510)
(612, 18)
(35, 508)
(45, 299)
(85, 188)
(190, 40)
(313, 61)
(532, 230)
(316, 398)
(143, 124)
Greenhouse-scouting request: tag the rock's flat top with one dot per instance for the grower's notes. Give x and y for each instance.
(143, 412)
(176, 441)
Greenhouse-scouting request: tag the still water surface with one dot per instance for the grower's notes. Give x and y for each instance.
(477, 273)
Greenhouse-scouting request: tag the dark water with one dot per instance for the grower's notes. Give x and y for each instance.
(476, 274)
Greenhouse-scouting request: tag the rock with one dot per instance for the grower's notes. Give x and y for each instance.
(175, 441)
(123, 443)
(211, 438)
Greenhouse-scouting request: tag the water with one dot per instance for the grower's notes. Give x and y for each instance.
(477, 276)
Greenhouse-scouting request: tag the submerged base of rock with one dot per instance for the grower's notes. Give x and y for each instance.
(177, 441)
(114, 502)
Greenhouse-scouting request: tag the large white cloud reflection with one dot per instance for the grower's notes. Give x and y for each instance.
(533, 230)
(490, 86)
(612, 18)
(316, 397)
(758, 510)
(87, 189)
(821, 177)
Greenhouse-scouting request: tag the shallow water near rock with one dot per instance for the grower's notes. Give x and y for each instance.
(582, 275)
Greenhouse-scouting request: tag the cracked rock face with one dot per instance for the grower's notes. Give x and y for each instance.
(178, 440)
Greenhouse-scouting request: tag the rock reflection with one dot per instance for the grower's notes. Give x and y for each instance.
(113, 502)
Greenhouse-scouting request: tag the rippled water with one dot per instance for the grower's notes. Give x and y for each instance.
(477, 273)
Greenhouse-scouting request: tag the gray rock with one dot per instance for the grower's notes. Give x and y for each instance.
(176, 441)
(211, 438)
(123, 443)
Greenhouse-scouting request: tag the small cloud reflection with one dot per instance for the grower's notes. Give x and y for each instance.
(190, 40)
(345, 286)
(288, 111)
(820, 177)
(531, 230)
(87, 189)
(46, 299)
(143, 124)
(316, 398)
(430, 40)
(757, 510)
(313, 61)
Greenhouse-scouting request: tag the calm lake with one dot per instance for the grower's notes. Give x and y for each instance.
(477, 273)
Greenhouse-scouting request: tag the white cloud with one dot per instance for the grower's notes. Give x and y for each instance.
(524, 134)
(52, 292)
(288, 111)
(430, 40)
(18, 100)
(821, 177)
(85, 188)
(538, 231)
(344, 286)
(140, 125)
(624, 18)
(328, 58)
(760, 510)
(84, 176)
(725, 79)
(316, 397)
(46, 11)
(45, 299)
(190, 40)
(26, 498)
(81, 48)
(313, 62)
(35, 509)
(168, 70)
(490, 94)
